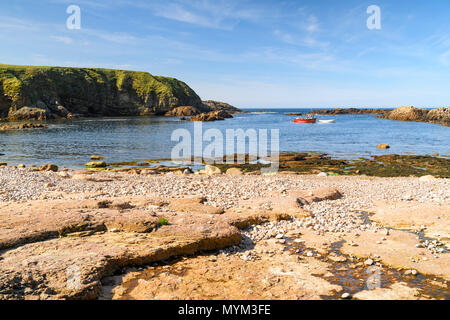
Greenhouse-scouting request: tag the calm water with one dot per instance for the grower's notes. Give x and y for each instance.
(70, 143)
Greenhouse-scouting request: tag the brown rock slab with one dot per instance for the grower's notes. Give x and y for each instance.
(414, 215)
(397, 251)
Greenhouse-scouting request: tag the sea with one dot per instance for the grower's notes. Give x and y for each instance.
(70, 143)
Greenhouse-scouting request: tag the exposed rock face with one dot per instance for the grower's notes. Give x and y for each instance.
(407, 114)
(40, 93)
(441, 115)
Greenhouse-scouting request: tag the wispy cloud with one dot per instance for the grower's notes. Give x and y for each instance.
(219, 14)
(66, 40)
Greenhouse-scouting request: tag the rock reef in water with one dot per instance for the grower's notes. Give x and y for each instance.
(440, 115)
(341, 111)
(210, 116)
(40, 93)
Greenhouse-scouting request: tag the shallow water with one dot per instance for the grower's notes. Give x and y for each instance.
(70, 143)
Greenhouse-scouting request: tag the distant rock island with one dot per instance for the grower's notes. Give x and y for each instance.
(339, 111)
(440, 115)
(40, 93)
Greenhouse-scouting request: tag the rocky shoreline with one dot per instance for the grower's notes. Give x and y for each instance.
(126, 235)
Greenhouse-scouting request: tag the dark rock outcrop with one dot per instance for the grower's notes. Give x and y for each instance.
(39, 93)
(184, 111)
(220, 106)
(210, 116)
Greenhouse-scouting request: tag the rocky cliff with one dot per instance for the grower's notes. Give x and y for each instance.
(38, 93)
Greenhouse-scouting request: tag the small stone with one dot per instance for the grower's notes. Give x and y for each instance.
(212, 170)
(368, 262)
(323, 174)
(427, 178)
(346, 296)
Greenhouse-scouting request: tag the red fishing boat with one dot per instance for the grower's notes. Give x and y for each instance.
(308, 119)
(299, 120)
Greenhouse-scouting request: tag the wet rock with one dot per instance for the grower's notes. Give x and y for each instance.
(49, 167)
(96, 164)
(398, 291)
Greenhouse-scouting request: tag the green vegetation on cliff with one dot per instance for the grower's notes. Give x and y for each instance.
(28, 92)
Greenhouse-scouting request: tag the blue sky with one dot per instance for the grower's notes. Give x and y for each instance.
(257, 54)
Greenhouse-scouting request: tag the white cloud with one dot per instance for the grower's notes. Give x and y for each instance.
(65, 40)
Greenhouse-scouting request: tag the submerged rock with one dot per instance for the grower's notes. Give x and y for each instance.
(96, 164)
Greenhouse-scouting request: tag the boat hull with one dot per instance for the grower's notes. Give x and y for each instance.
(305, 120)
